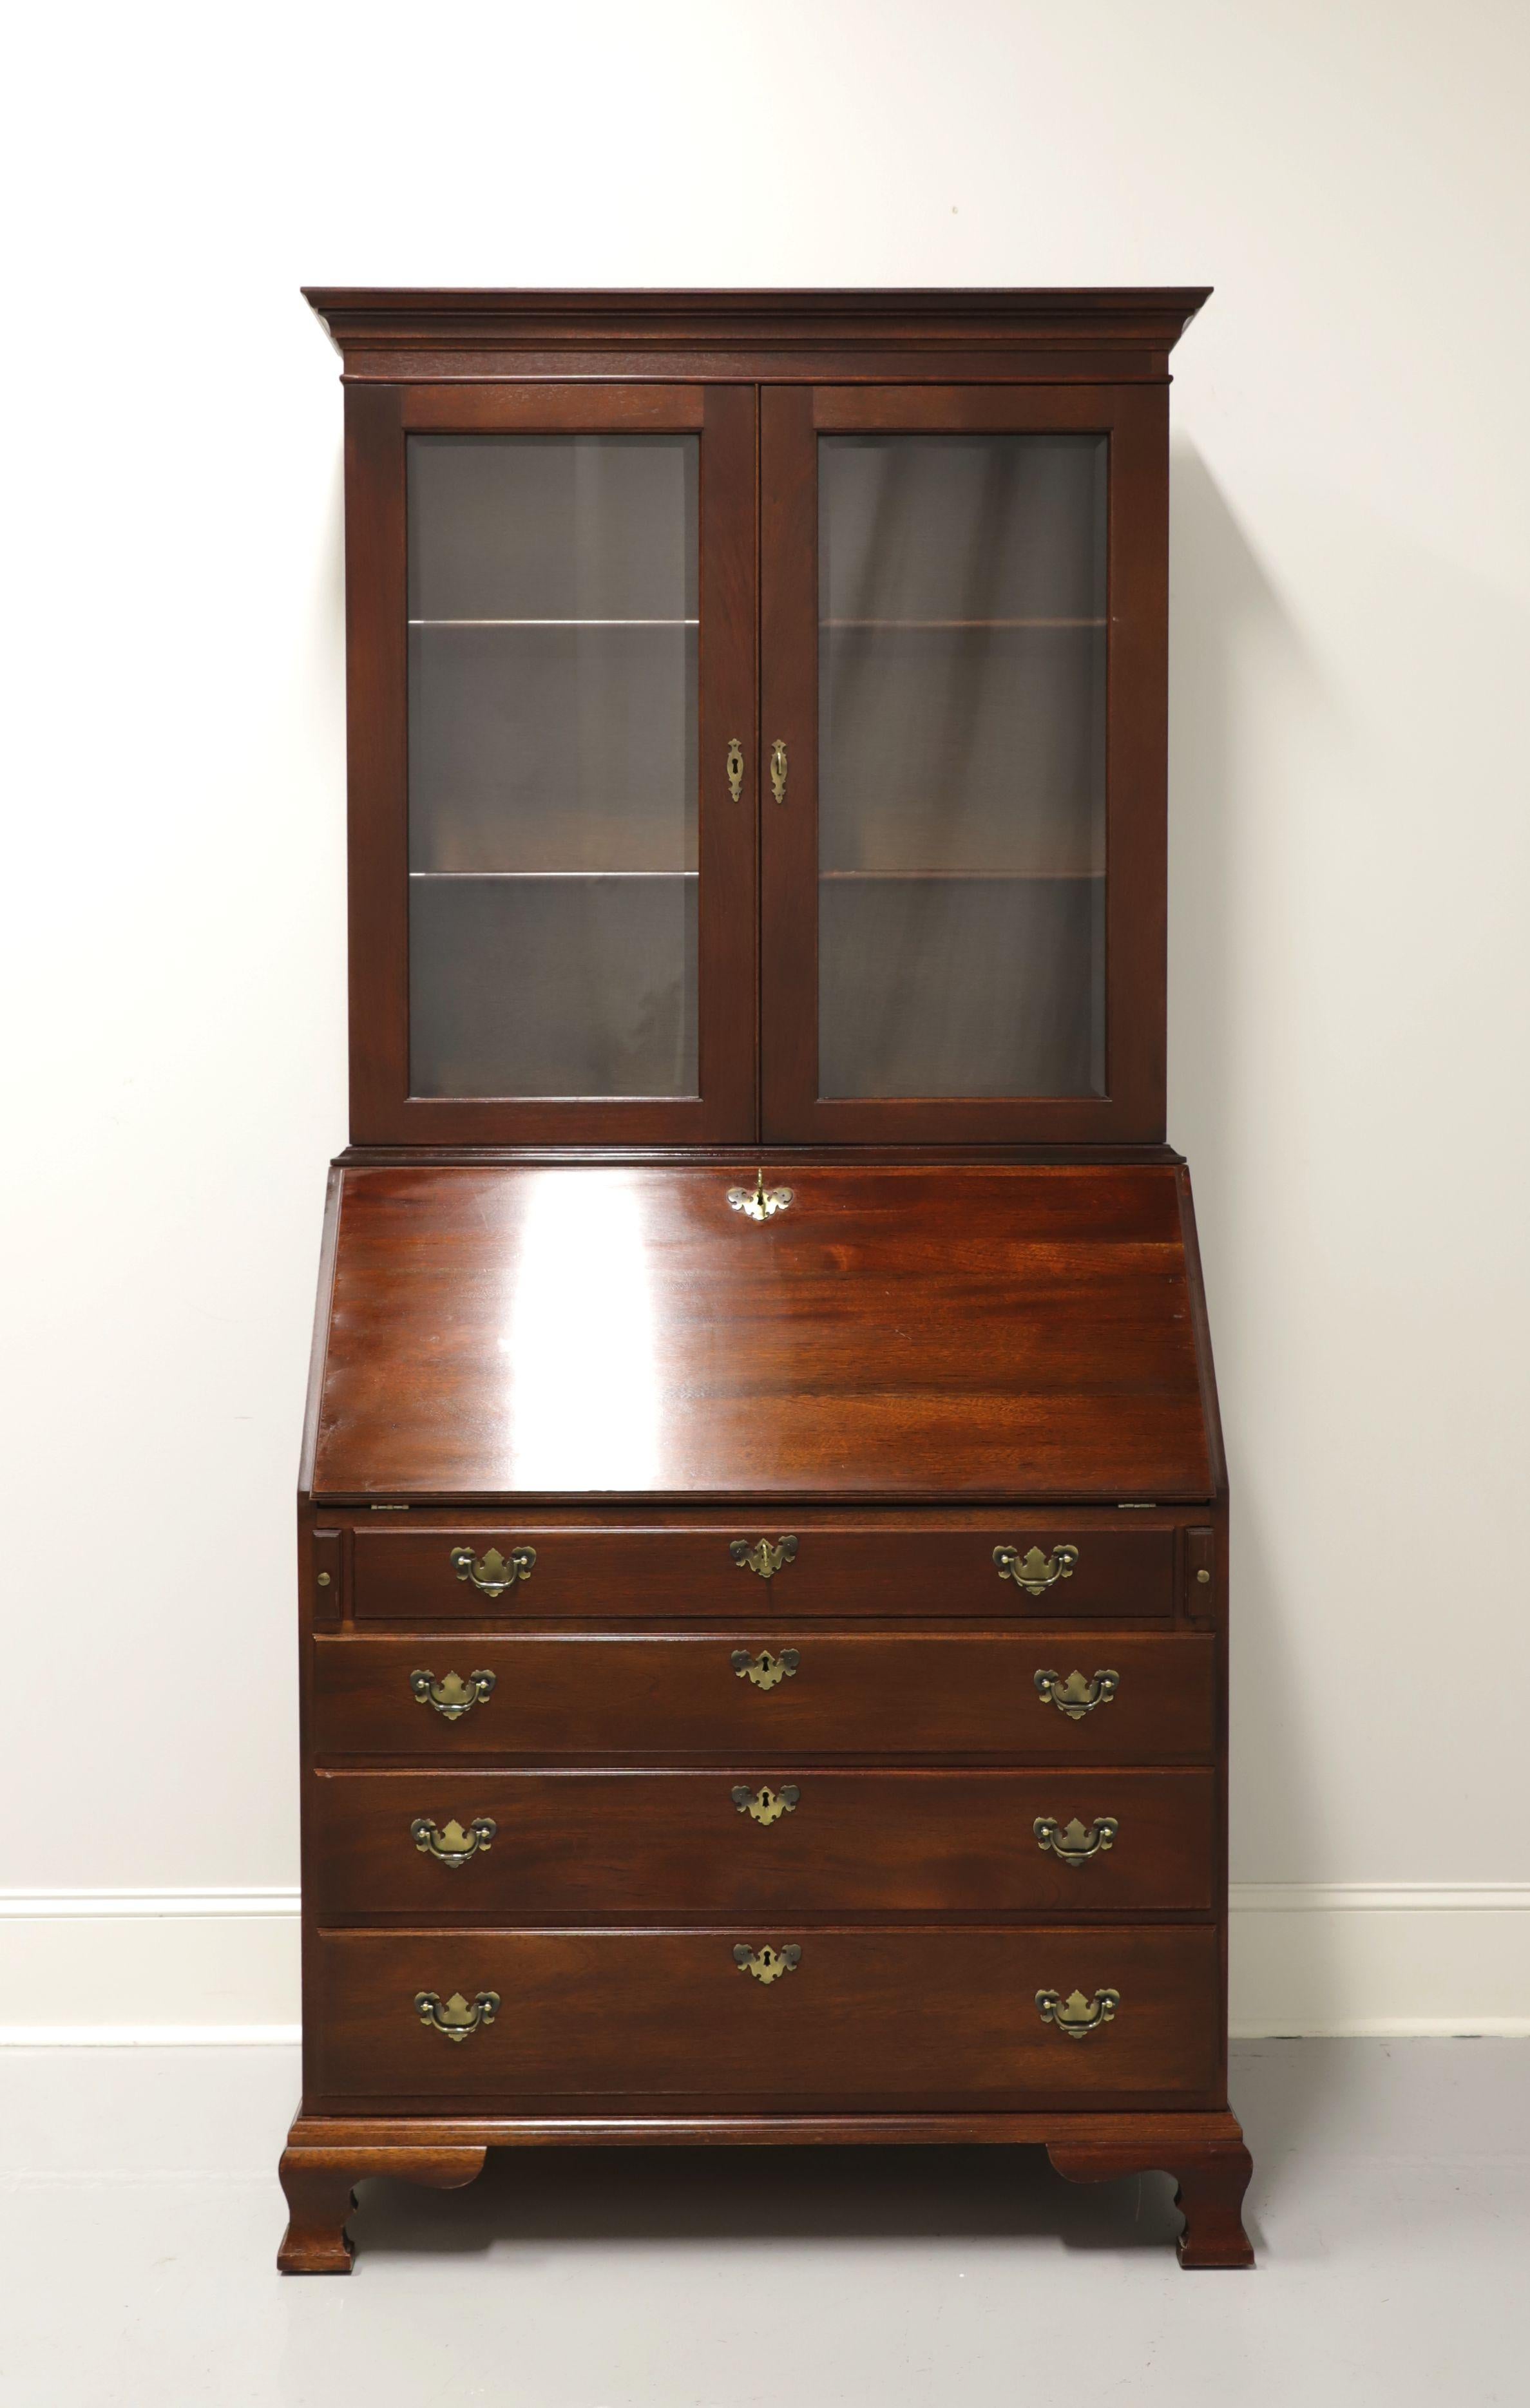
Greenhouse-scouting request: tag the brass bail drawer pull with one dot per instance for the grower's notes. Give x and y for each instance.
(767, 1964)
(1076, 1697)
(778, 770)
(759, 1202)
(451, 1695)
(1070, 1842)
(449, 1844)
(1033, 1572)
(764, 1670)
(735, 768)
(492, 1573)
(766, 1805)
(456, 2019)
(1076, 2016)
(763, 1557)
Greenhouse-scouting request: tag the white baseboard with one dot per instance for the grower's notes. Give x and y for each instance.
(160, 1967)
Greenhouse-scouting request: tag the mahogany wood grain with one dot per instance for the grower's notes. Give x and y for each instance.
(320, 2187)
(887, 1568)
(935, 2017)
(664, 1845)
(676, 1696)
(607, 1331)
(1213, 2171)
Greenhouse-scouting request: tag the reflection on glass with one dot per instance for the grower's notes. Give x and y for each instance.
(552, 765)
(961, 797)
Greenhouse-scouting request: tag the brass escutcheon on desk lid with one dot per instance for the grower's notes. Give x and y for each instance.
(451, 1695)
(1076, 1697)
(449, 1844)
(455, 2019)
(766, 1805)
(1033, 1572)
(764, 1670)
(1076, 2016)
(492, 1573)
(1070, 1842)
(768, 1964)
(759, 1202)
(763, 1557)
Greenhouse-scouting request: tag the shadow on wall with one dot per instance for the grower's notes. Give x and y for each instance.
(1229, 627)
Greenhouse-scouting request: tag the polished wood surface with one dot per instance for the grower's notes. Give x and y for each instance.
(672, 1696)
(892, 1566)
(618, 1330)
(669, 1844)
(938, 2017)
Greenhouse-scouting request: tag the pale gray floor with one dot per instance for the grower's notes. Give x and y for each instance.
(1391, 2209)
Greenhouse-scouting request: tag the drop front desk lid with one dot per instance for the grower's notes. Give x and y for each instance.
(618, 1331)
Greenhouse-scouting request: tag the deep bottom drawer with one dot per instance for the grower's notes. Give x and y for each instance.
(933, 2017)
(667, 1844)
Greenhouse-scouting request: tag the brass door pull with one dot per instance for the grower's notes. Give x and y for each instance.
(1076, 2016)
(763, 1557)
(778, 770)
(492, 1574)
(735, 768)
(766, 1805)
(451, 1695)
(1070, 1842)
(767, 1964)
(764, 1670)
(1033, 1572)
(1076, 1697)
(449, 1844)
(759, 1202)
(456, 2019)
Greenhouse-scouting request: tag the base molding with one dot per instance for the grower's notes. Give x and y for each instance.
(326, 2155)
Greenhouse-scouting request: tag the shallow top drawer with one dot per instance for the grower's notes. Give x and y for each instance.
(545, 1573)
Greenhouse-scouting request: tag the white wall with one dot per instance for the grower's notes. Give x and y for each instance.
(1350, 736)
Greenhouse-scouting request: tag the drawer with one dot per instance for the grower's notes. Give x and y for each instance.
(915, 2017)
(514, 1845)
(762, 1694)
(1052, 1570)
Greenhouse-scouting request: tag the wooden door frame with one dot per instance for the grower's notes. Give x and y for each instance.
(378, 420)
(1134, 418)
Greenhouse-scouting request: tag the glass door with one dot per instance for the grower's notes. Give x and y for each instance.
(962, 841)
(572, 852)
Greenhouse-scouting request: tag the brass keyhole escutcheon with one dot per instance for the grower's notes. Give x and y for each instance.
(766, 1805)
(763, 1557)
(764, 1670)
(735, 768)
(768, 1964)
(759, 1202)
(1033, 1572)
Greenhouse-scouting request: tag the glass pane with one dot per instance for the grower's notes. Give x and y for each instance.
(552, 765)
(961, 769)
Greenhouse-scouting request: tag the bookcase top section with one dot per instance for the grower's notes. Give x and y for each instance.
(621, 1331)
(408, 334)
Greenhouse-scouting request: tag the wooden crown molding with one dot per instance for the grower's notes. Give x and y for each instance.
(407, 333)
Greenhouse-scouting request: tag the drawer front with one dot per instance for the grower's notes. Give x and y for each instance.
(934, 2017)
(1047, 1696)
(529, 1573)
(424, 1845)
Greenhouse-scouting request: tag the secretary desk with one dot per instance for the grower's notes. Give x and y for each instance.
(763, 1526)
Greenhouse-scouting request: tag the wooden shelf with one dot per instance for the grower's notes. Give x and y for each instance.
(477, 876)
(972, 877)
(927, 624)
